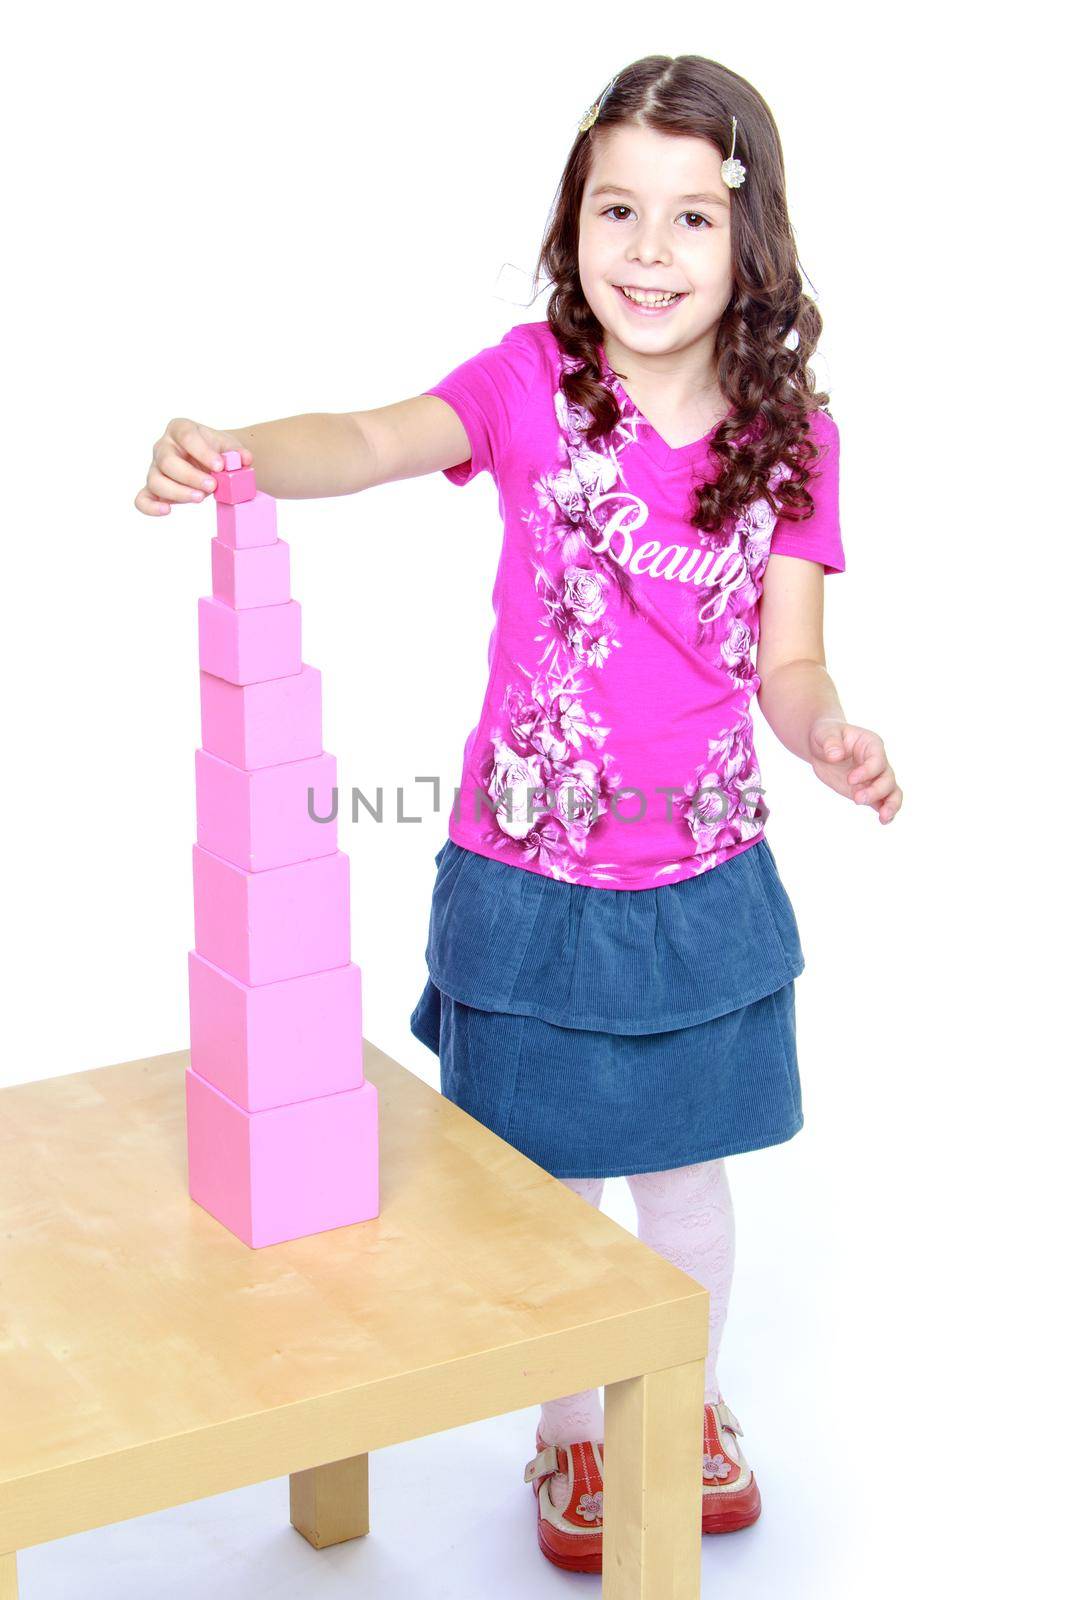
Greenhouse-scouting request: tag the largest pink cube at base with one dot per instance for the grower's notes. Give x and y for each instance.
(299, 1169)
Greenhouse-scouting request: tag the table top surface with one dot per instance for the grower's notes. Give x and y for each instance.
(128, 1314)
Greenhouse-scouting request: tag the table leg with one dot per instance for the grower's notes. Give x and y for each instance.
(9, 1578)
(330, 1503)
(653, 1453)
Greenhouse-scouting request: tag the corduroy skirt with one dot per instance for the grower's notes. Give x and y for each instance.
(604, 1032)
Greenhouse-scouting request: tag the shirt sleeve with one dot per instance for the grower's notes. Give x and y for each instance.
(488, 393)
(818, 537)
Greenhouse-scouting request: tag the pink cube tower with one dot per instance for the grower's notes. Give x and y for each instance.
(282, 1125)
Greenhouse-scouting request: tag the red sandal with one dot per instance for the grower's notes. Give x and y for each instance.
(571, 1536)
(731, 1495)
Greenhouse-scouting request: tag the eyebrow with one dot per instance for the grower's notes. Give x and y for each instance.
(617, 188)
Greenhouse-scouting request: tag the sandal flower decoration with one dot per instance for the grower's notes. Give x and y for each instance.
(716, 1467)
(591, 1506)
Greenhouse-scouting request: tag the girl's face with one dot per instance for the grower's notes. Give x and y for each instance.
(666, 227)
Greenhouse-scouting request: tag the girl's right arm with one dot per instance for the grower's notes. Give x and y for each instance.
(308, 457)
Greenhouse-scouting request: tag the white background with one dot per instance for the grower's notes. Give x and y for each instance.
(237, 212)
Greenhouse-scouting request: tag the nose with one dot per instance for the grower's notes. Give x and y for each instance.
(649, 246)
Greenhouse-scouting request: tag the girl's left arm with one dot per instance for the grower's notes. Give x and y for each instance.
(797, 695)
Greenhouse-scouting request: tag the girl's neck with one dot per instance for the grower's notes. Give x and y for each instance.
(679, 387)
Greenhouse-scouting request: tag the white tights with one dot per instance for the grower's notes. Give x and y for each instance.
(686, 1214)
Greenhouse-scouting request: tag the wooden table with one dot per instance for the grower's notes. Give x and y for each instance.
(148, 1357)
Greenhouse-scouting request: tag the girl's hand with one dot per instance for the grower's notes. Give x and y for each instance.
(183, 460)
(852, 761)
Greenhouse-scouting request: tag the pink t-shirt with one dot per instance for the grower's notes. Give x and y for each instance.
(614, 746)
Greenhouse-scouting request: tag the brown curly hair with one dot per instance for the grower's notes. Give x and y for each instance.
(763, 377)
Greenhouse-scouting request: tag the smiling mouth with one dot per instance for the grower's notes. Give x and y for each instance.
(658, 299)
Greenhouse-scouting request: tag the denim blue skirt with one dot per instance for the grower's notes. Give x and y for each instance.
(603, 1031)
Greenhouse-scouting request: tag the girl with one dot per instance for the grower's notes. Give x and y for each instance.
(611, 952)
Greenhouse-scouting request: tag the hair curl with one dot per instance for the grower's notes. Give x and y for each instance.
(764, 377)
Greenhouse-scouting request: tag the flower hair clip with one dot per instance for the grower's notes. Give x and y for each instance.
(733, 173)
(594, 110)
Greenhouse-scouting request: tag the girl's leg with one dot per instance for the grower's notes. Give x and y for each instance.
(686, 1214)
(573, 1418)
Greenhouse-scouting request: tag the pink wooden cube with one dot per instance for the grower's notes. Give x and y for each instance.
(250, 577)
(262, 927)
(231, 488)
(279, 1042)
(249, 646)
(231, 460)
(287, 1172)
(266, 818)
(248, 524)
(262, 724)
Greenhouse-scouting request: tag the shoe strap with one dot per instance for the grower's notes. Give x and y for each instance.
(726, 1417)
(725, 1422)
(545, 1461)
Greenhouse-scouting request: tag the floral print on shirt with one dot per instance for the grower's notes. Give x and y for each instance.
(548, 773)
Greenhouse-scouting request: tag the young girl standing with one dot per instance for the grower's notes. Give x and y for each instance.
(622, 1004)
